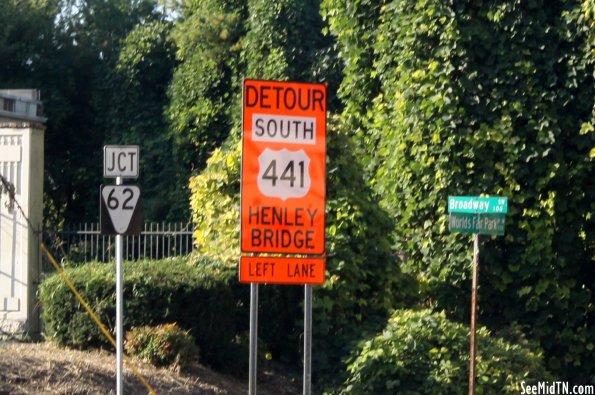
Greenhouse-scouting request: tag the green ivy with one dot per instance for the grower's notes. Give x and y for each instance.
(354, 25)
(495, 98)
(285, 42)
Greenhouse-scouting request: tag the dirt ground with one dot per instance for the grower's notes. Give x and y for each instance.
(43, 368)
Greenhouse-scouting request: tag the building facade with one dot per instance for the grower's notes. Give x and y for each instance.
(22, 127)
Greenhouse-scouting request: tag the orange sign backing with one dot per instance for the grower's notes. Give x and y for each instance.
(275, 270)
(283, 167)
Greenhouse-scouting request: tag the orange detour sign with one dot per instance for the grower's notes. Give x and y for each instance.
(283, 167)
(275, 270)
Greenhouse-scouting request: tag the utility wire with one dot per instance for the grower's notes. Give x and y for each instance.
(8, 188)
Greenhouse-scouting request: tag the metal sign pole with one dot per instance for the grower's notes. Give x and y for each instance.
(119, 309)
(307, 384)
(473, 314)
(253, 338)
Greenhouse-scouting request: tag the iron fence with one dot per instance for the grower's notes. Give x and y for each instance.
(84, 242)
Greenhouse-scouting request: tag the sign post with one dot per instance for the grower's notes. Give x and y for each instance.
(253, 339)
(120, 213)
(477, 215)
(283, 195)
(472, 345)
(119, 310)
(307, 381)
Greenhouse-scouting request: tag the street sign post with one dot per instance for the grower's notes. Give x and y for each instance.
(476, 215)
(120, 213)
(283, 189)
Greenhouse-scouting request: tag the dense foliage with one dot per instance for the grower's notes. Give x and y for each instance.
(135, 98)
(493, 98)
(364, 282)
(421, 352)
(155, 292)
(79, 55)
(427, 99)
(24, 40)
(206, 85)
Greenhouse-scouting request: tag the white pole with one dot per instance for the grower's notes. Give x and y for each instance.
(253, 338)
(307, 384)
(119, 309)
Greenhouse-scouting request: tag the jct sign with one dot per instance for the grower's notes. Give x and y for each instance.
(283, 167)
(120, 161)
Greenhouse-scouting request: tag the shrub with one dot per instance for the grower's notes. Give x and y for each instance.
(155, 292)
(162, 345)
(65, 321)
(424, 353)
(364, 281)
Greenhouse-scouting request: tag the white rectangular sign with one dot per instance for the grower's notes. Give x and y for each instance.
(284, 129)
(120, 161)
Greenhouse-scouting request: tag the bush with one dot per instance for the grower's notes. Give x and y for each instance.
(420, 352)
(155, 292)
(162, 345)
(364, 280)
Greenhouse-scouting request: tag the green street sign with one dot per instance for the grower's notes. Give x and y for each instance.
(483, 224)
(478, 205)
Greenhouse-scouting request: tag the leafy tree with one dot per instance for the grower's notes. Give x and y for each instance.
(25, 36)
(219, 42)
(492, 98)
(365, 281)
(206, 84)
(136, 99)
(285, 42)
(86, 42)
